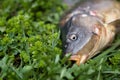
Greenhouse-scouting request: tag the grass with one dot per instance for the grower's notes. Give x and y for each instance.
(30, 48)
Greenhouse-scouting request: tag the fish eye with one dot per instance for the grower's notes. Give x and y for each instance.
(73, 37)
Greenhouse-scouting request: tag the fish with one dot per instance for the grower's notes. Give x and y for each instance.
(89, 27)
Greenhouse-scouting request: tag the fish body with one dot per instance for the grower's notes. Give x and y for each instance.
(89, 27)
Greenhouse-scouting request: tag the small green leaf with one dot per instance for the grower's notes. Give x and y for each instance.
(2, 29)
(57, 58)
(27, 69)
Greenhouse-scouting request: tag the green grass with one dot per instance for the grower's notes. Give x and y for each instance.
(30, 47)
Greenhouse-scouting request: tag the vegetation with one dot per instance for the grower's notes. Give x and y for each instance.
(30, 47)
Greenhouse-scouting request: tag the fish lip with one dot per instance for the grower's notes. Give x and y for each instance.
(79, 59)
(74, 57)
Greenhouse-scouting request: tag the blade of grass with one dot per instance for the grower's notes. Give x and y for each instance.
(111, 72)
(17, 72)
(100, 68)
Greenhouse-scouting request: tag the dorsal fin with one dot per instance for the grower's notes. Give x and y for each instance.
(116, 23)
(112, 16)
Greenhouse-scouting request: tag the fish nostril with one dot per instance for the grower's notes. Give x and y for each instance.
(65, 46)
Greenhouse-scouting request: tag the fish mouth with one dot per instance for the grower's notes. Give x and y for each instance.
(79, 59)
